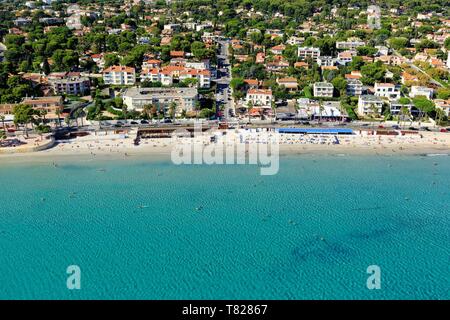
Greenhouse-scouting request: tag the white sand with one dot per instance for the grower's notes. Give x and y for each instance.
(116, 146)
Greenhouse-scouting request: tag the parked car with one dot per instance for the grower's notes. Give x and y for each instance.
(134, 122)
(414, 129)
(144, 122)
(396, 127)
(444, 130)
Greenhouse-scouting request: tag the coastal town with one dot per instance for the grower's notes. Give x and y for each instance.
(100, 75)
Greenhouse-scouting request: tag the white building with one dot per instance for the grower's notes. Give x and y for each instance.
(369, 105)
(350, 44)
(345, 57)
(323, 89)
(396, 107)
(69, 83)
(326, 61)
(119, 75)
(421, 91)
(448, 59)
(156, 75)
(387, 90)
(203, 77)
(137, 98)
(308, 52)
(354, 87)
(295, 41)
(202, 65)
(259, 98)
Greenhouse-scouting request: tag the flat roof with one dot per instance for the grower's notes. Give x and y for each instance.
(315, 130)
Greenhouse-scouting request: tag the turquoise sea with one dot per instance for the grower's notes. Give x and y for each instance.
(146, 229)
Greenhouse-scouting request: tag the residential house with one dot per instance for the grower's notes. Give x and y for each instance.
(289, 83)
(421, 91)
(345, 57)
(278, 49)
(259, 98)
(387, 90)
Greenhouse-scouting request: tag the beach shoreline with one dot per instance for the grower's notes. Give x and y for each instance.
(161, 149)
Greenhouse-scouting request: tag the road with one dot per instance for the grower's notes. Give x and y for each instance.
(224, 92)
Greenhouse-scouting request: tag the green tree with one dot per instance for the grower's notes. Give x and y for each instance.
(23, 115)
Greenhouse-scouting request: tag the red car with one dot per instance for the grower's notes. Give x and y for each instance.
(444, 130)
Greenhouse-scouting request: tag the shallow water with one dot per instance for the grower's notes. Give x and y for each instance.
(148, 229)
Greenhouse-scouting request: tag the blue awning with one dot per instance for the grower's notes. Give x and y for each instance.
(315, 130)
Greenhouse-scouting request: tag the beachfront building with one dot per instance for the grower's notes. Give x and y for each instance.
(396, 108)
(52, 105)
(137, 98)
(328, 110)
(259, 98)
(350, 44)
(71, 83)
(323, 89)
(387, 90)
(421, 91)
(119, 75)
(369, 105)
(305, 53)
(354, 87)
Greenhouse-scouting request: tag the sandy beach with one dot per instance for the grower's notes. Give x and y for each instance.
(107, 147)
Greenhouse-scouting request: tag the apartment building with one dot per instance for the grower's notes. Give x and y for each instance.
(259, 97)
(136, 98)
(69, 83)
(387, 90)
(354, 87)
(119, 75)
(370, 105)
(308, 52)
(323, 89)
